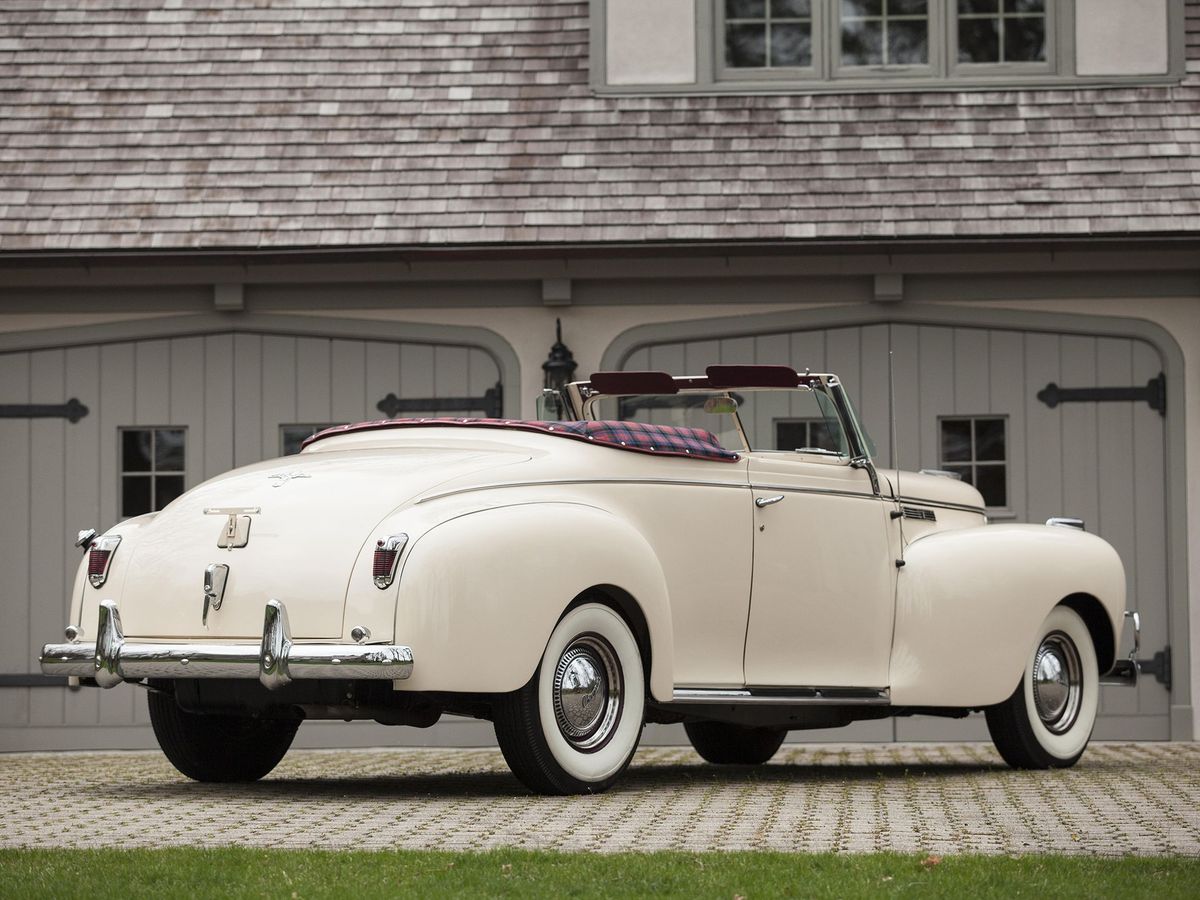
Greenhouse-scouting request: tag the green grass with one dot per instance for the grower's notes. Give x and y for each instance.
(237, 872)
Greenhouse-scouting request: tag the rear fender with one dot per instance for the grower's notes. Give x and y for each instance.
(969, 603)
(479, 594)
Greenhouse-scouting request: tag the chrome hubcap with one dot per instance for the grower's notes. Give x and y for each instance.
(1057, 682)
(587, 693)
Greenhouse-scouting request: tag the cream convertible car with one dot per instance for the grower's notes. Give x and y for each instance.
(658, 558)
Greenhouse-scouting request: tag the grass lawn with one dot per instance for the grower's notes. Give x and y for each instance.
(237, 872)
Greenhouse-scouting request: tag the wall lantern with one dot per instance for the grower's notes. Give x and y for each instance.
(560, 366)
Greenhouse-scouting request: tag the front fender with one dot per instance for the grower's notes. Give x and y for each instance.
(480, 593)
(969, 603)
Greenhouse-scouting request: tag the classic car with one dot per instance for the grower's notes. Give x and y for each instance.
(652, 557)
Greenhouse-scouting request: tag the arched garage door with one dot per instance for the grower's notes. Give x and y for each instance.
(966, 399)
(164, 415)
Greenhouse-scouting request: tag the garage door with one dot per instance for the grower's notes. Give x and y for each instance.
(967, 400)
(164, 415)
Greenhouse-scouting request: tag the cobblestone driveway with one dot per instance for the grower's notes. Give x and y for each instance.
(1126, 798)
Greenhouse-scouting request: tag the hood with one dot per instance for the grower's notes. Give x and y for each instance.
(309, 518)
(937, 490)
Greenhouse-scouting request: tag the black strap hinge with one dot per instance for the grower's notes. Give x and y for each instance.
(1154, 394)
(1159, 666)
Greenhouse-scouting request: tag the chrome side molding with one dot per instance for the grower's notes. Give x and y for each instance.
(806, 696)
(275, 661)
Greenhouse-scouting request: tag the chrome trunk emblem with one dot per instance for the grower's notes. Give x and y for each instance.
(236, 532)
(279, 479)
(215, 577)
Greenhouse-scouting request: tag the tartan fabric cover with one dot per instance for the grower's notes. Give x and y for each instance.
(660, 440)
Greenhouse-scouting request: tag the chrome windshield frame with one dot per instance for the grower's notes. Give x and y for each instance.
(582, 399)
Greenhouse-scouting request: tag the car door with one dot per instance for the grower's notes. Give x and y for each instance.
(823, 590)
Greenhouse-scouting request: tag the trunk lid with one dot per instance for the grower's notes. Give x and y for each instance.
(315, 511)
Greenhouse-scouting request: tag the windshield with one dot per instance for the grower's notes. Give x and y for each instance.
(784, 420)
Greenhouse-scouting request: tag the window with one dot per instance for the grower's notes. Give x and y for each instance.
(884, 32)
(975, 448)
(152, 468)
(1001, 31)
(883, 40)
(292, 436)
(768, 34)
(822, 434)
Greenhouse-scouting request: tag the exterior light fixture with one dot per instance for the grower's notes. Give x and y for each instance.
(560, 365)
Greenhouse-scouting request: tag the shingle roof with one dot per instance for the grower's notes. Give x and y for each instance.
(231, 124)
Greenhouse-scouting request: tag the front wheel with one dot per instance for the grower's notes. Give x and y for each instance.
(219, 747)
(573, 728)
(1048, 720)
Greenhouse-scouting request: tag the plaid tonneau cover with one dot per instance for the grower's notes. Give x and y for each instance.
(640, 437)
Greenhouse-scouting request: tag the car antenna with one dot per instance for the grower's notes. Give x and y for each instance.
(898, 512)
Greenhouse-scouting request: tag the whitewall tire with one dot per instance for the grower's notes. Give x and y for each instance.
(575, 726)
(1048, 720)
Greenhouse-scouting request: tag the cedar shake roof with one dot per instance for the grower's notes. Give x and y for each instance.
(183, 124)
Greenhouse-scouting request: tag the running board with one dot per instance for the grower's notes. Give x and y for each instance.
(822, 696)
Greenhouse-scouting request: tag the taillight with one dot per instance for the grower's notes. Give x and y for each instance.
(100, 558)
(387, 554)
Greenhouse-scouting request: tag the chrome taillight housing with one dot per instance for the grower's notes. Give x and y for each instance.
(100, 556)
(387, 555)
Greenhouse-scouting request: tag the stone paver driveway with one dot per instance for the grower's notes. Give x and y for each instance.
(1120, 799)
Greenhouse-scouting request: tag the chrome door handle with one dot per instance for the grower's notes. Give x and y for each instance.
(760, 502)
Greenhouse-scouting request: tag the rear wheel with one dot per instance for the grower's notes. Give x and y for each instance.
(575, 726)
(1048, 720)
(734, 745)
(219, 747)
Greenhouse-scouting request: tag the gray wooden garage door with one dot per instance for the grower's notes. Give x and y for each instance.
(232, 393)
(1102, 462)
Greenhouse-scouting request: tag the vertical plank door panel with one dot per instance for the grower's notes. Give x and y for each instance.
(278, 390)
(1043, 429)
(82, 479)
(218, 404)
(1115, 484)
(47, 527)
(1007, 390)
(16, 598)
(118, 385)
(1151, 589)
(348, 381)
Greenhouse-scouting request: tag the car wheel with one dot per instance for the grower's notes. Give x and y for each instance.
(734, 745)
(575, 726)
(1048, 720)
(219, 747)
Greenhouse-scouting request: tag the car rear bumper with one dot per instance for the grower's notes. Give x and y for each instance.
(275, 661)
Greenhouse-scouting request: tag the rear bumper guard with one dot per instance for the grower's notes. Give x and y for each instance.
(275, 661)
(1124, 672)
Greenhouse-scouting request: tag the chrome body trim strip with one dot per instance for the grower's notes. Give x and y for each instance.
(806, 696)
(941, 504)
(862, 495)
(831, 492)
(569, 481)
(275, 661)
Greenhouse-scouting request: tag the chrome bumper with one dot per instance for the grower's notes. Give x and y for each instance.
(275, 661)
(1124, 672)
